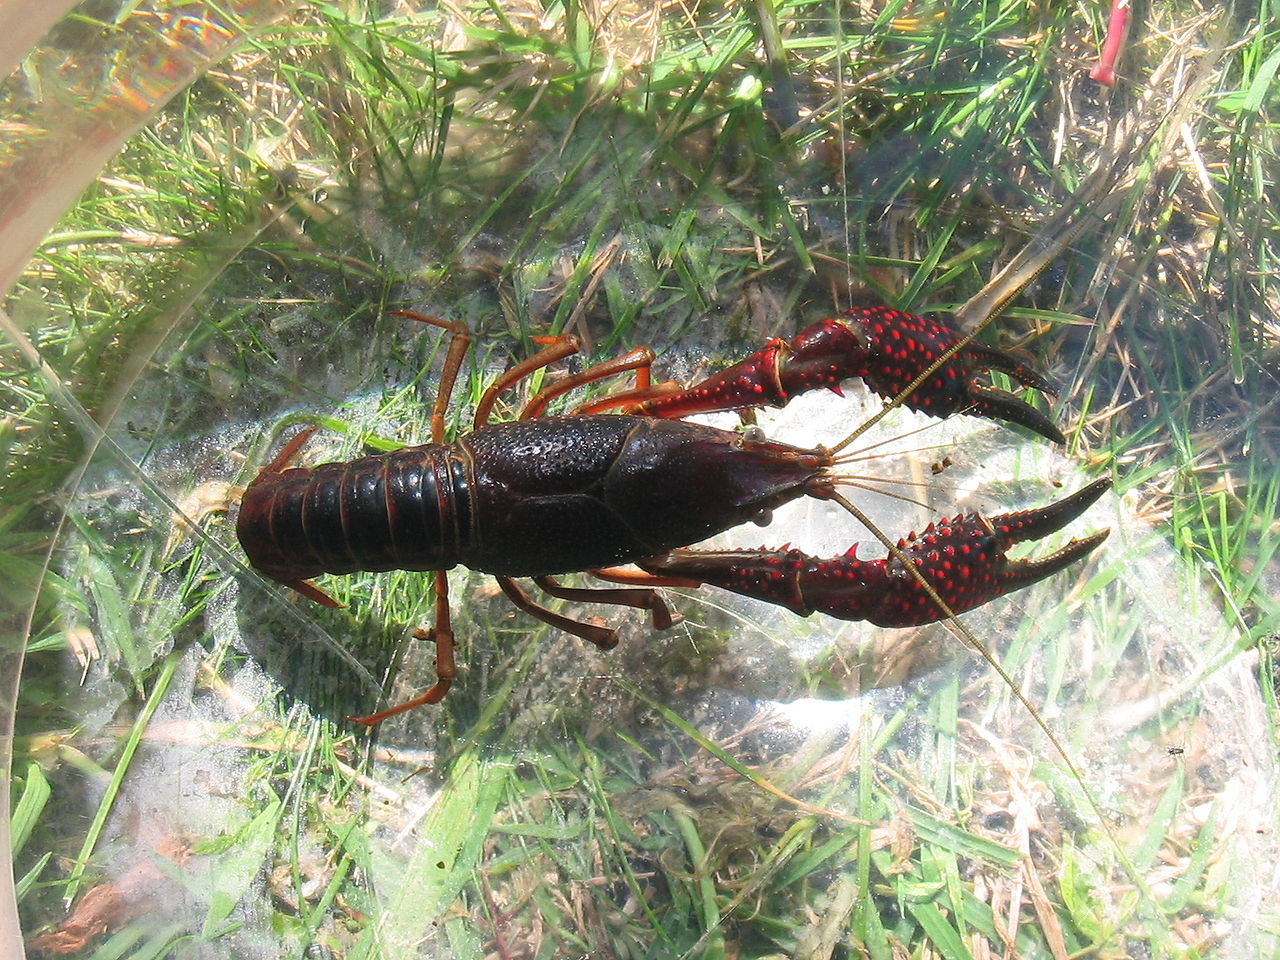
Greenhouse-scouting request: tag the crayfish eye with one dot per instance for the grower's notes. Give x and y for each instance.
(752, 433)
(763, 518)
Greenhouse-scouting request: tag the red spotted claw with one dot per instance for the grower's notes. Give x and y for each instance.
(963, 559)
(887, 349)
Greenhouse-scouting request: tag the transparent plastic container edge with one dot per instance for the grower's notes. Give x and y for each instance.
(76, 119)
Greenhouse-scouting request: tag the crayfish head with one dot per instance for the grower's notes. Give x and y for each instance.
(689, 481)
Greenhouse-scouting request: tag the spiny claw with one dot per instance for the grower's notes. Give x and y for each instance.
(963, 559)
(1001, 405)
(887, 349)
(1038, 522)
(904, 345)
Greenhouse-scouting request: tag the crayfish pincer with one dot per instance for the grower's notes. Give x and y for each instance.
(583, 492)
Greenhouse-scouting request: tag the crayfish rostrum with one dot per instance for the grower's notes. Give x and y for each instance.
(624, 480)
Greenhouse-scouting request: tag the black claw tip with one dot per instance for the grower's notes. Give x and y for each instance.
(1023, 573)
(1000, 405)
(1042, 521)
(994, 359)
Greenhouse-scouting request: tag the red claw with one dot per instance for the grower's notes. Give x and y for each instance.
(963, 559)
(888, 350)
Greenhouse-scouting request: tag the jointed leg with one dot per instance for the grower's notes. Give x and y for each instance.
(602, 637)
(640, 360)
(628, 398)
(663, 618)
(642, 578)
(312, 592)
(560, 348)
(458, 344)
(290, 450)
(446, 669)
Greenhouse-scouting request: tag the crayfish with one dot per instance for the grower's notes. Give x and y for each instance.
(624, 480)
